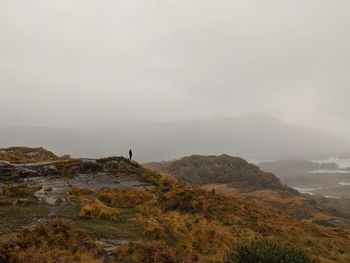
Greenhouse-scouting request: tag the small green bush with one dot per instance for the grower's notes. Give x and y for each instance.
(267, 251)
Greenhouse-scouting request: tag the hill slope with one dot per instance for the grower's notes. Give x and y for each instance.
(223, 169)
(137, 215)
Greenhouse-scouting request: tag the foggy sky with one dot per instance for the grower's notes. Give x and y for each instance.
(75, 63)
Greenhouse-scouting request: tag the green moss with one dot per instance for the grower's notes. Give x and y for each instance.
(71, 211)
(15, 211)
(13, 218)
(120, 227)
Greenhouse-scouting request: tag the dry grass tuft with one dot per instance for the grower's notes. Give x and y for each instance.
(18, 191)
(77, 191)
(97, 209)
(125, 198)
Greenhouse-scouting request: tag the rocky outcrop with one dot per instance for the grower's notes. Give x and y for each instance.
(89, 166)
(6, 168)
(120, 164)
(56, 178)
(25, 172)
(72, 166)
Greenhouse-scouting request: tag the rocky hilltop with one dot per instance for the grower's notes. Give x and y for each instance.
(223, 169)
(115, 210)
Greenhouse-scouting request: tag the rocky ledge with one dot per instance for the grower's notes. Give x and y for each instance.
(55, 178)
(64, 167)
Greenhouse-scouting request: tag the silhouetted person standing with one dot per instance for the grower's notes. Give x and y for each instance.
(130, 154)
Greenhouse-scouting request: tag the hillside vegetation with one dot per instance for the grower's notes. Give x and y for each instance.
(114, 210)
(223, 169)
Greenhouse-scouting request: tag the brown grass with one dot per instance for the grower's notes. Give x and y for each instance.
(27, 155)
(204, 226)
(56, 241)
(77, 191)
(97, 209)
(18, 191)
(191, 236)
(144, 252)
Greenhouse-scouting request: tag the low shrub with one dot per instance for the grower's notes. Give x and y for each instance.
(268, 251)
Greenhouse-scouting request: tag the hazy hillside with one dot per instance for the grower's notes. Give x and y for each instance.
(223, 169)
(255, 136)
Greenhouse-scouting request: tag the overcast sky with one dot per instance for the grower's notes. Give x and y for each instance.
(68, 63)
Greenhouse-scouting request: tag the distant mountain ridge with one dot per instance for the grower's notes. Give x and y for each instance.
(253, 136)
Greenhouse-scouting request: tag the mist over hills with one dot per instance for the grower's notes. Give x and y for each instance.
(252, 136)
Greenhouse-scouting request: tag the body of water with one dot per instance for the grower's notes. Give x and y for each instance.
(305, 190)
(329, 172)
